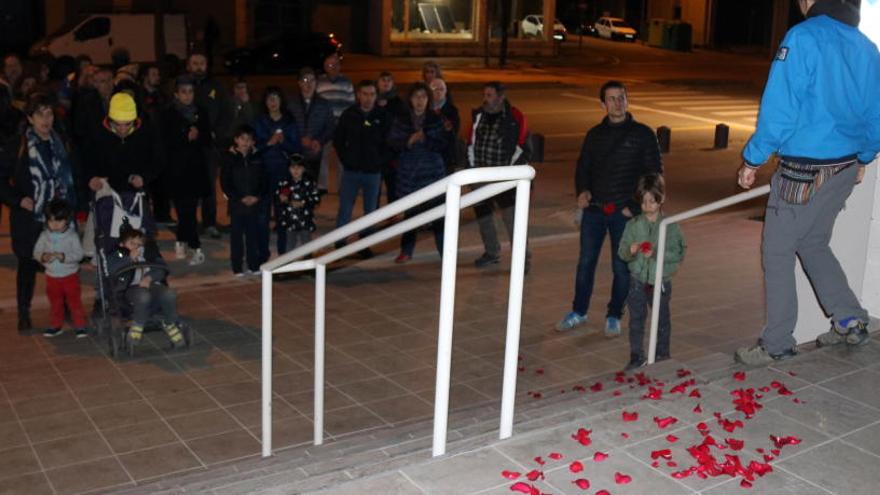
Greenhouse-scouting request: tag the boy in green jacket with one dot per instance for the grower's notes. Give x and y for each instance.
(637, 245)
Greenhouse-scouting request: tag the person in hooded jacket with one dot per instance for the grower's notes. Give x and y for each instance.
(186, 135)
(277, 139)
(419, 137)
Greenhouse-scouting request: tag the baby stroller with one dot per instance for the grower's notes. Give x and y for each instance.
(113, 213)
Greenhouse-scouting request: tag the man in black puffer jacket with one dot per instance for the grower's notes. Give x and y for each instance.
(613, 156)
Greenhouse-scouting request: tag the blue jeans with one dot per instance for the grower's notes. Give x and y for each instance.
(594, 225)
(245, 240)
(641, 296)
(353, 182)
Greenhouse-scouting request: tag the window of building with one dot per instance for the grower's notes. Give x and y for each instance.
(440, 20)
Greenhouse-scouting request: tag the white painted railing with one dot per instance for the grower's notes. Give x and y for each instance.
(661, 252)
(499, 179)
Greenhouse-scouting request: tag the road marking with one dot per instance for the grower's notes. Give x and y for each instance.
(706, 104)
(723, 107)
(673, 114)
(738, 113)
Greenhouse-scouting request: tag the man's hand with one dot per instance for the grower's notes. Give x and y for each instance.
(283, 198)
(193, 133)
(27, 203)
(860, 176)
(136, 181)
(746, 176)
(626, 212)
(145, 282)
(583, 200)
(297, 204)
(275, 139)
(46, 258)
(95, 183)
(250, 200)
(634, 248)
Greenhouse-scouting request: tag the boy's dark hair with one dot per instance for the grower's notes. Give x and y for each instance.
(367, 83)
(37, 102)
(276, 91)
(58, 209)
(420, 86)
(385, 73)
(130, 233)
(610, 85)
(651, 183)
(242, 130)
(496, 85)
(297, 160)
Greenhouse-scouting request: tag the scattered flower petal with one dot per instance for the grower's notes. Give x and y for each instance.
(734, 443)
(583, 437)
(596, 387)
(622, 479)
(603, 492)
(582, 484)
(695, 393)
(698, 409)
(555, 456)
(534, 474)
(745, 484)
(617, 393)
(579, 388)
(780, 442)
(671, 438)
(681, 372)
(522, 488)
(664, 422)
(600, 456)
(511, 475)
(654, 393)
(576, 467)
(539, 460)
(630, 416)
(739, 376)
(625, 435)
(539, 371)
(664, 453)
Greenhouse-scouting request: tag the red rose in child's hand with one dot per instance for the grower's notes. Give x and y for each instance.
(609, 208)
(81, 216)
(646, 247)
(285, 191)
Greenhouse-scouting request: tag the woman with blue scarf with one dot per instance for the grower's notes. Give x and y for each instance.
(43, 171)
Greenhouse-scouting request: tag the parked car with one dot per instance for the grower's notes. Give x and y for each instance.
(533, 25)
(614, 28)
(284, 54)
(98, 35)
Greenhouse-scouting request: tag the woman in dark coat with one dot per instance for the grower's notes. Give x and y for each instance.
(186, 136)
(42, 170)
(419, 137)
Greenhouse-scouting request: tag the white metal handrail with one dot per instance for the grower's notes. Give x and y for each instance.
(501, 179)
(661, 252)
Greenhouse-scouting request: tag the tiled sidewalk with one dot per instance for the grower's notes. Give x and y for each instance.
(72, 420)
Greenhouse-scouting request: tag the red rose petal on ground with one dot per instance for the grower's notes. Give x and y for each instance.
(671, 438)
(655, 464)
(617, 393)
(664, 422)
(539, 371)
(583, 437)
(797, 401)
(534, 475)
(664, 453)
(702, 426)
(759, 450)
(698, 409)
(739, 376)
(579, 388)
(734, 443)
(745, 484)
(630, 416)
(539, 460)
(654, 393)
(555, 456)
(596, 387)
(775, 384)
(783, 390)
(622, 479)
(672, 464)
(695, 393)
(792, 373)
(760, 468)
(582, 484)
(520, 369)
(775, 452)
(768, 458)
(783, 441)
(603, 492)
(681, 372)
(600, 456)
(521, 487)
(729, 426)
(625, 435)
(576, 467)
(764, 389)
(511, 475)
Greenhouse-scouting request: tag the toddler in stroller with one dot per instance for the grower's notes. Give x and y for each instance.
(142, 292)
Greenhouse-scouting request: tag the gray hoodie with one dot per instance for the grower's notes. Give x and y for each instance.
(66, 242)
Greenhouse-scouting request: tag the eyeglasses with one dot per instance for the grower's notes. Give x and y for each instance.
(307, 79)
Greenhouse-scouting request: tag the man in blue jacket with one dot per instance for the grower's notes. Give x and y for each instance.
(820, 114)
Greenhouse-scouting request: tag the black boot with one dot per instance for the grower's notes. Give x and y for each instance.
(24, 322)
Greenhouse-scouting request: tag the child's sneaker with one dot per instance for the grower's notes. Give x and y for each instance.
(81, 333)
(52, 332)
(635, 361)
(571, 320)
(612, 327)
(198, 257)
(174, 335)
(135, 334)
(240, 274)
(402, 258)
(179, 250)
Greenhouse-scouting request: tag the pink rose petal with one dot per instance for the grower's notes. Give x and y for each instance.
(511, 475)
(622, 479)
(664, 422)
(671, 438)
(739, 376)
(600, 456)
(555, 456)
(576, 467)
(582, 484)
(630, 416)
(534, 474)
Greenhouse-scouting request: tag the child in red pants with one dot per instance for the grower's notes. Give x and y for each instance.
(59, 250)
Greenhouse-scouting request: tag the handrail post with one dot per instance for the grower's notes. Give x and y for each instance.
(447, 310)
(267, 362)
(514, 306)
(658, 290)
(320, 312)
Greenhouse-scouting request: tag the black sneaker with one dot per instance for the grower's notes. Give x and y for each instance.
(24, 323)
(52, 332)
(635, 361)
(81, 333)
(486, 259)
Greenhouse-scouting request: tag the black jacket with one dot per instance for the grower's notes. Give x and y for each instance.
(613, 157)
(185, 173)
(244, 176)
(212, 96)
(118, 158)
(119, 259)
(317, 122)
(360, 139)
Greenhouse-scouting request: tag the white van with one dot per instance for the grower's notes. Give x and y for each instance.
(147, 37)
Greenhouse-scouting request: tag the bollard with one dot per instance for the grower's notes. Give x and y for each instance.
(664, 138)
(722, 132)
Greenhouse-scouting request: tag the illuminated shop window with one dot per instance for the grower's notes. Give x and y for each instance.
(439, 20)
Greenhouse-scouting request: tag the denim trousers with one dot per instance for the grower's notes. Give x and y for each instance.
(352, 183)
(640, 298)
(594, 225)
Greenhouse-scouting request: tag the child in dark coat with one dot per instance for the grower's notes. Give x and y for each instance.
(245, 183)
(296, 197)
